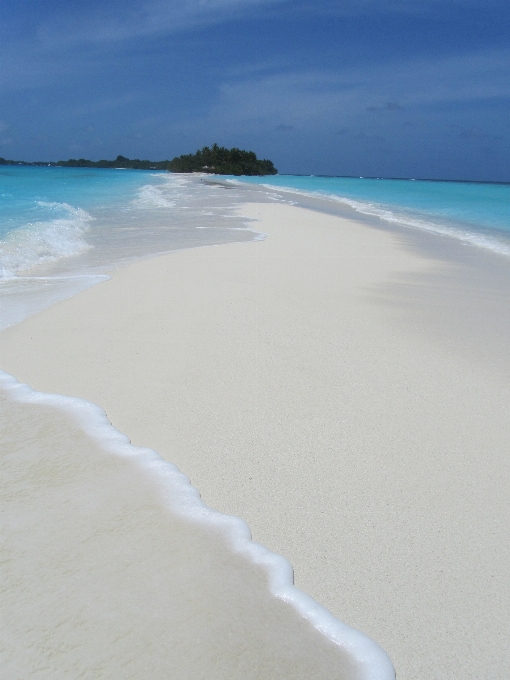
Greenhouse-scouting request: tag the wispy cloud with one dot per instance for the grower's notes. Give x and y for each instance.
(333, 99)
(258, 72)
(363, 137)
(104, 104)
(475, 134)
(370, 7)
(107, 22)
(84, 129)
(104, 23)
(388, 106)
(80, 38)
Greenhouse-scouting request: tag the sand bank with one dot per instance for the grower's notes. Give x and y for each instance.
(112, 570)
(296, 393)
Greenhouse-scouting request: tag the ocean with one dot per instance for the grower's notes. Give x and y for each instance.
(63, 229)
(74, 486)
(472, 212)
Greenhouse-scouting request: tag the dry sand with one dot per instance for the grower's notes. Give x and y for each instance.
(102, 579)
(296, 393)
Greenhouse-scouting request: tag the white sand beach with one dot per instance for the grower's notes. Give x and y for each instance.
(320, 385)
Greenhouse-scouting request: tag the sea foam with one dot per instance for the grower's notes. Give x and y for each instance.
(467, 236)
(150, 196)
(367, 661)
(476, 214)
(65, 229)
(45, 241)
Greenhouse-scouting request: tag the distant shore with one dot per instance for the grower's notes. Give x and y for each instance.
(341, 389)
(212, 160)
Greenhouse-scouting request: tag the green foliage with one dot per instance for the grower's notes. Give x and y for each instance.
(215, 160)
(119, 162)
(221, 161)
(4, 161)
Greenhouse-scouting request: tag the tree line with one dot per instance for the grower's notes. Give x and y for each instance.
(216, 160)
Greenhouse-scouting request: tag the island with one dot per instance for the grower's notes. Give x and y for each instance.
(215, 160)
(221, 161)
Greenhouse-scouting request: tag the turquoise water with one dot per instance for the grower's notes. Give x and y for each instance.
(53, 215)
(478, 213)
(45, 212)
(30, 195)
(50, 214)
(64, 229)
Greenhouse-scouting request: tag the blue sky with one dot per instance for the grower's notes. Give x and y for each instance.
(402, 88)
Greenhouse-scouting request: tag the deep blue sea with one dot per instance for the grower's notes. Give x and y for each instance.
(477, 213)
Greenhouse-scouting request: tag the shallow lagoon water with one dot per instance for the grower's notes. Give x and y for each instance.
(475, 213)
(63, 229)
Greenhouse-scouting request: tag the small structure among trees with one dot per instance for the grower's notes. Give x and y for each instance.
(221, 161)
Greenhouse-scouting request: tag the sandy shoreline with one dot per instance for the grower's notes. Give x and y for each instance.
(294, 395)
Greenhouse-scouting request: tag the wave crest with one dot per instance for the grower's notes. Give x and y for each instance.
(407, 218)
(45, 241)
(150, 196)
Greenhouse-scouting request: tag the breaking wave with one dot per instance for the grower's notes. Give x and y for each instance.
(45, 241)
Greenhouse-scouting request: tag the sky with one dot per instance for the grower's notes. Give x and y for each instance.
(384, 88)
